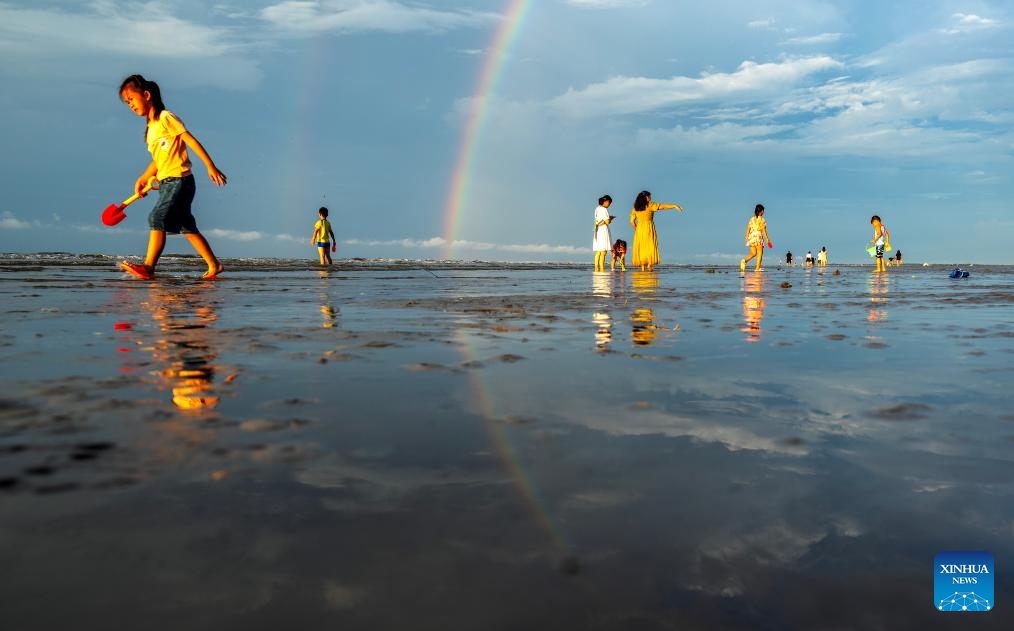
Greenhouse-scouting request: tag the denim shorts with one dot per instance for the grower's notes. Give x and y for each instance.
(324, 244)
(171, 213)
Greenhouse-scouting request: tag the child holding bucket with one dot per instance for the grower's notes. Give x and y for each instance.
(168, 139)
(881, 240)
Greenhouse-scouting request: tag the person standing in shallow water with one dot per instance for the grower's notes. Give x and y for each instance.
(642, 218)
(323, 237)
(602, 241)
(756, 237)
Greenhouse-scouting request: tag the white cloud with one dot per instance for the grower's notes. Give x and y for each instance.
(9, 222)
(148, 29)
(719, 136)
(461, 244)
(79, 43)
(765, 23)
(944, 112)
(628, 95)
(316, 16)
(967, 23)
(607, 4)
(823, 38)
(433, 243)
(236, 235)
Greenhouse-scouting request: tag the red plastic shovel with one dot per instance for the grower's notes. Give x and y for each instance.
(113, 214)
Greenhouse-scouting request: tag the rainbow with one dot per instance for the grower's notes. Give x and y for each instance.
(480, 393)
(499, 439)
(478, 110)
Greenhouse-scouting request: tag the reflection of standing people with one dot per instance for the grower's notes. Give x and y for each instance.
(642, 218)
(756, 237)
(878, 298)
(323, 237)
(602, 241)
(602, 286)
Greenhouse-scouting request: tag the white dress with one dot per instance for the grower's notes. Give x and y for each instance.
(603, 241)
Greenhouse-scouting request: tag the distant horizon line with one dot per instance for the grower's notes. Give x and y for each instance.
(630, 267)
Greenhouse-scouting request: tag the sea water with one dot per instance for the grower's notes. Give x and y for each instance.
(427, 444)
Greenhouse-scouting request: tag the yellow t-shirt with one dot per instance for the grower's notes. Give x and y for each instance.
(323, 231)
(166, 145)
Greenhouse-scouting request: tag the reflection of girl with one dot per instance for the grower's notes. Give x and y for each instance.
(642, 218)
(602, 241)
(756, 237)
(753, 307)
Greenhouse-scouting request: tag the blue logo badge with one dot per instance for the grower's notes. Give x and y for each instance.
(963, 581)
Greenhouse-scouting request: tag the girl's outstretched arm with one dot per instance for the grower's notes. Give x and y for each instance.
(216, 176)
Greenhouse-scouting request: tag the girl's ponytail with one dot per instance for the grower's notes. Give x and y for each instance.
(139, 83)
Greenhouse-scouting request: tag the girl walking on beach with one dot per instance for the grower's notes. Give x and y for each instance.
(642, 218)
(602, 241)
(168, 139)
(756, 237)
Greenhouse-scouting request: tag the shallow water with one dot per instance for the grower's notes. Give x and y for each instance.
(457, 446)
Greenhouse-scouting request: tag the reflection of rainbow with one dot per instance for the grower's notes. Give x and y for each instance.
(481, 396)
(478, 109)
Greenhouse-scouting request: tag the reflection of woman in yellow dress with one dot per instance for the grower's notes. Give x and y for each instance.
(642, 218)
(643, 329)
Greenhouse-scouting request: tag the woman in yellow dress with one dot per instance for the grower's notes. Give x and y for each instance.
(642, 218)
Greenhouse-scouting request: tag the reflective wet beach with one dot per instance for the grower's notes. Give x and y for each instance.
(501, 448)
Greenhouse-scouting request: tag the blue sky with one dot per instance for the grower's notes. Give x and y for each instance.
(825, 112)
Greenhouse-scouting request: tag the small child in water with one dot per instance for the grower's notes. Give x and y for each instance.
(323, 237)
(619, 254)
(881, 239)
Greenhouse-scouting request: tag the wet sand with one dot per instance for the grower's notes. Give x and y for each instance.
(442, 447)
